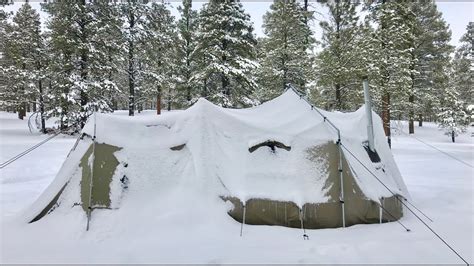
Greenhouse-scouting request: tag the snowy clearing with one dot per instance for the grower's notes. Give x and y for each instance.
(440, 186)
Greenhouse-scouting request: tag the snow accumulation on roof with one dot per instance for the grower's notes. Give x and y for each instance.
(216, 159)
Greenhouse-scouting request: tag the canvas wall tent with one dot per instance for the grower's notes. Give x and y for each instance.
(275, 164)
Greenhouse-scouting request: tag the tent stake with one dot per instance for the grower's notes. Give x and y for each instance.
(243, 221)
(89, 208)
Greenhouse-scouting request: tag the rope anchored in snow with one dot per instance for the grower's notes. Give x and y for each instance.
(18, 156)
(406, 206)
(418, 210)
(441, 151)
(378, 179)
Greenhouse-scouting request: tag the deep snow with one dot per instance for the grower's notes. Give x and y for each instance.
(440, 186)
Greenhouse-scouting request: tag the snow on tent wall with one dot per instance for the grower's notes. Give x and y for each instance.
(215, 157)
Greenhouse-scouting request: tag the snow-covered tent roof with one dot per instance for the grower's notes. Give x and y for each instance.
(211, 150)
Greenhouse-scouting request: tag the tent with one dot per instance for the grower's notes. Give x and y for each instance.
(279, 163)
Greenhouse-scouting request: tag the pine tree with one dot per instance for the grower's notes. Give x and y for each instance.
(389, 49)
(134, 16)
(340, 61)
(158, 66)
(107, 41)
(79, 60)
(453, 119)
(186, 60)
(226, 50)
(430, 55)
(23, 50)
(463, 67)
(285, 49)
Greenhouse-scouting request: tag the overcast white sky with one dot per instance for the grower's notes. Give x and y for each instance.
(457, 14)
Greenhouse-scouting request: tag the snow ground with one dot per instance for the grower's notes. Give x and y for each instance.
(440, 186)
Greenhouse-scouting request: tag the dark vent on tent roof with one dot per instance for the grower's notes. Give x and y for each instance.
(271, 144)
(373, 155)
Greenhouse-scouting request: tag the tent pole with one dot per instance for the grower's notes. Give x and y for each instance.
(305, 236)
(89, 207)
(243, 221)
(341, 178)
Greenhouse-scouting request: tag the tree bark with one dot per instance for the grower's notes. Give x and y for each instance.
(41, 106)
(169, 98)
(22, 105)
(158, 101)
(22, 110)
(386, 116)
(420, 120)
(453, 136)
(411, 115)
(338, 97)
(131, 69)
(83, 66)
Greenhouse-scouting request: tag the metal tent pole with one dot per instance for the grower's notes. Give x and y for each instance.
(243, 221)
(341, 178)
(89, 207)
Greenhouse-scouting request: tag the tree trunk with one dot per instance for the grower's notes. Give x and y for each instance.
(188, 53)
(386, 116)
(22, 111)
(411, 115)
(204, 88)
(453, 136)
(131, 69)
(41, 106)
(420, 120)
(338, 97)
(22, 105)
(83, 65)
(225, 84)
(158, 103)
(114, 104)
(169, 98)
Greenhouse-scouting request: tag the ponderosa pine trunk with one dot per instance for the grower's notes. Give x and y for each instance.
(338, 97)
(22, 110)
(83, 66)
(386, 117)
(41, 106)
(22, 105)
(386, 94)
(131, 68)
(411, 115)
(158, 103)
(169, 98)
